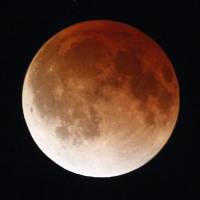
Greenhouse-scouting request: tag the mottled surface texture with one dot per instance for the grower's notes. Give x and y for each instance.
(100, 98)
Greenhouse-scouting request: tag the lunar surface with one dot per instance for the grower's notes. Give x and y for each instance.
(100, 98)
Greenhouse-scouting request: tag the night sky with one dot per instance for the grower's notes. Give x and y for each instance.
(26, 173)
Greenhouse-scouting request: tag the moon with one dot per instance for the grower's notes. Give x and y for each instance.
(100, 98)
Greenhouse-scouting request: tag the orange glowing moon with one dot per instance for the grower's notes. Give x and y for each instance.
(100, 98)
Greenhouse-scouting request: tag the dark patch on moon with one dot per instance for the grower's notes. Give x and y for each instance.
(76, 141)
(83, 56)
(150, 118)
(116, 80)
(127, 63)
(89, 124)
(62, 132)
(144, 84)
(96, 93)
(167, 73)
(166, 100)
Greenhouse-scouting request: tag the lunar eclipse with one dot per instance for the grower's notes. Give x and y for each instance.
(100, 98)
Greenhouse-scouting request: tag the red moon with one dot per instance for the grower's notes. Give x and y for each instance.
(100, 98)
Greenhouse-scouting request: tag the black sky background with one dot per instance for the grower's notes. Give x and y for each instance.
(26, 173)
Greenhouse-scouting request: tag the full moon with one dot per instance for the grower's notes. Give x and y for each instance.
(100, 98)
